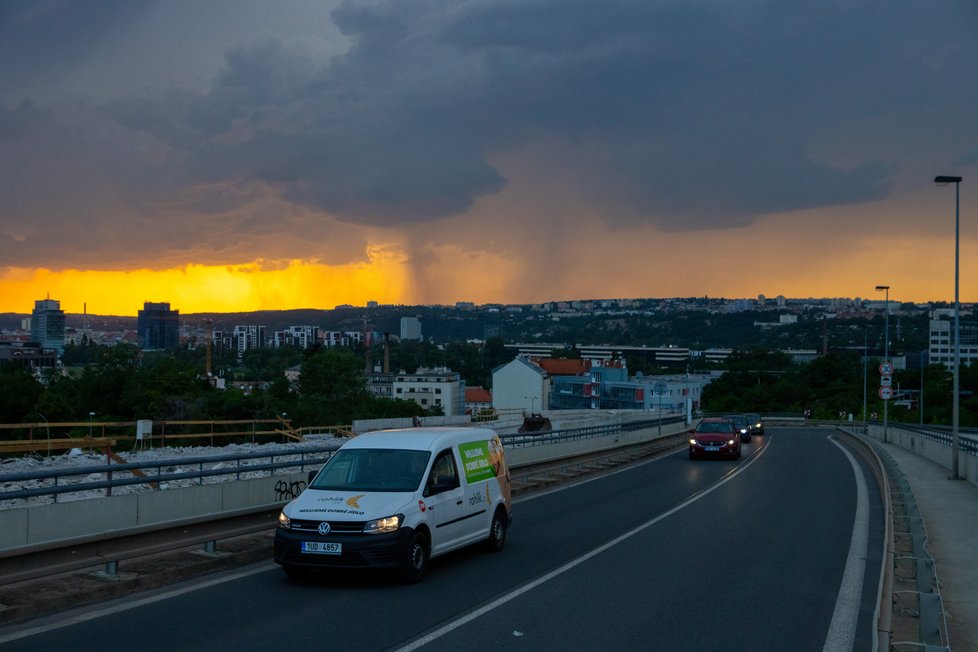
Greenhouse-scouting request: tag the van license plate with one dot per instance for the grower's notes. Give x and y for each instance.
(321, 548)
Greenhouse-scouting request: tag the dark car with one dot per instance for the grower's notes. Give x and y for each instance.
(757, 423)
(743, 425)
(714, 436)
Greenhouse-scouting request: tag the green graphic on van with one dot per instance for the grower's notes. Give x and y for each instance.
(476, 461)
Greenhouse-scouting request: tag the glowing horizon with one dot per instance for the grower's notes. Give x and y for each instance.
(202, 288)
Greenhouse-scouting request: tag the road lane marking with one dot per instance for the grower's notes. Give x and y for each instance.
(512, 595)
(845, 617)
(622, 469)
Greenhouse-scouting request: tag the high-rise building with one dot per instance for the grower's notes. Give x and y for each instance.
(48, 324)
(249, 337)
(157, 326)
(410, 328)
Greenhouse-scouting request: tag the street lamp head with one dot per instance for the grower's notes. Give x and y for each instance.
(945, 180)
(880, 288)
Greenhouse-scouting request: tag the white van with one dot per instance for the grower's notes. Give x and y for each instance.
(395, 499)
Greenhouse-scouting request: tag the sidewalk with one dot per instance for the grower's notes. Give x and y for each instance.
(950, 512)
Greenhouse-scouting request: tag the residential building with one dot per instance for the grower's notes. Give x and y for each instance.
(157, 326)
(302, 337)
(477, 398)
(520, 385)
(941, 347)
(337, 338)
(249, 338)
(48, 325)
(438, 388)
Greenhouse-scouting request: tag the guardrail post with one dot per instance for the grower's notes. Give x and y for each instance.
(929, 610)
(111, 567)
(210, 547)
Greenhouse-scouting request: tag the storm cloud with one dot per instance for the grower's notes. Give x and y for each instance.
(686, 116)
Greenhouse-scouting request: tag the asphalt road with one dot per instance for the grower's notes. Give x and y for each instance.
(670, 554)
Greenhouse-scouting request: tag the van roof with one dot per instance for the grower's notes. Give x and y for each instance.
(432, 439)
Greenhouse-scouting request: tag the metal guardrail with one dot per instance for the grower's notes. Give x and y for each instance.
(306, 457)
(914, 617)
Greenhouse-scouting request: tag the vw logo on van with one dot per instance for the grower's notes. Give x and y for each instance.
(324, 528)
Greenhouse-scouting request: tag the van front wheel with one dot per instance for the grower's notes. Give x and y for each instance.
(497, 531)
(415, 558)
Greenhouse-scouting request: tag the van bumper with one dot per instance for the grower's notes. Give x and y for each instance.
(359, 550)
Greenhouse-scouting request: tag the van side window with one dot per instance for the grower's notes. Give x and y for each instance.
(443, 476)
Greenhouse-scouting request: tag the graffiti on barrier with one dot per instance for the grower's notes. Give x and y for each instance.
(285, 490)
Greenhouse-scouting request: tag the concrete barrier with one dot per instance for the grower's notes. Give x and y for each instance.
(928, 448)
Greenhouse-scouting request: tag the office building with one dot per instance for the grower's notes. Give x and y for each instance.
(941, 348)
(157, 327)
(48, 325)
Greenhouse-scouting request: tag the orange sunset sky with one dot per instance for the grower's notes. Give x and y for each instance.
(304, 156)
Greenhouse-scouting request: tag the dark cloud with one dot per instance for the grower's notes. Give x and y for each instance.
(42, 40)
(686, 115)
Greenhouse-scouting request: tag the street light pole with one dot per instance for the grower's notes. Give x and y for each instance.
(865, 364)
(886, 356)
(90, 415)
(955, 407)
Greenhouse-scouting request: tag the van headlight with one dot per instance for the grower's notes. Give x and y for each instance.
(382, 525)
(284, 521)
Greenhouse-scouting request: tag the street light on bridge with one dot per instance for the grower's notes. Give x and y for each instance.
(955, 413)
(886, 355)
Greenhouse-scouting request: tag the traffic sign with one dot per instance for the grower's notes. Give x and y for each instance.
(886, 368)
(886, 381)
(886, 393)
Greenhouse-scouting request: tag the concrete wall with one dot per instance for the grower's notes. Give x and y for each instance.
(516, 457)
(928, 448)
(75, 518)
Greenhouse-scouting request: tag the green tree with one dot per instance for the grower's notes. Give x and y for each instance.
(19, 393)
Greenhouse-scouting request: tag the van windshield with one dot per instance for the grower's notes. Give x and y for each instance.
(373, 469)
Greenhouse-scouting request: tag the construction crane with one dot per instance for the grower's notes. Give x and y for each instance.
(209, 336)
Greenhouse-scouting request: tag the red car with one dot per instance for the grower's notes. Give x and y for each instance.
(715, 436)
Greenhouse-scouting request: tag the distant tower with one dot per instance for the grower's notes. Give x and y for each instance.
(157, 326)
(48, 324)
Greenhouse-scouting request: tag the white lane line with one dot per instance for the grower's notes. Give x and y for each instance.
(131, 604)
(845, 617)
(512, 595)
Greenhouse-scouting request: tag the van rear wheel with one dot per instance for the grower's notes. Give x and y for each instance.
(415, 561)
(497, 531)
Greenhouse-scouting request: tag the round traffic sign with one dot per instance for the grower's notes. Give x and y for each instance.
(886, 368)
(886, 393)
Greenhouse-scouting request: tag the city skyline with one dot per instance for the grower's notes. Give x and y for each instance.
(312, 154)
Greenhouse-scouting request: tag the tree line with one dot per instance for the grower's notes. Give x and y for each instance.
(835, 385)
(123, 383)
